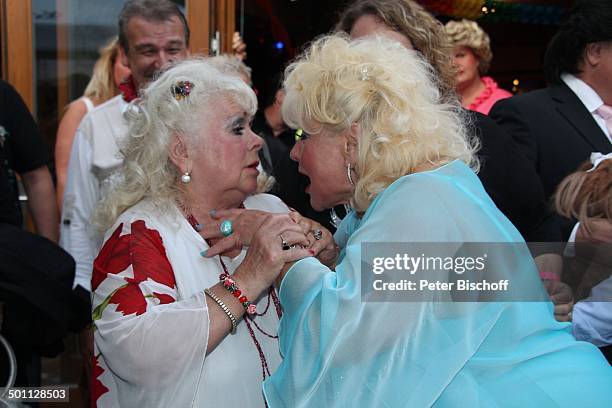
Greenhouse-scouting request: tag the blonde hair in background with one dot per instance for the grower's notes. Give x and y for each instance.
(407, 17)
(392, 93)
(147, 170)
(101, 86)
(586, 195)
(469, 34)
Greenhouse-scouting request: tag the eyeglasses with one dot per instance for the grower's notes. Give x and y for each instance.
(300, 135)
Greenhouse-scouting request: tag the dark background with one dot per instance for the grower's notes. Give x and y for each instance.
(518, 47)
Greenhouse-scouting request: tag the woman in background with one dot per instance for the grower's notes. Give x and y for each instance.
(472, 56)
(108, 73)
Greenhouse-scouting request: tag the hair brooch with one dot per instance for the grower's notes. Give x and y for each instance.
(182, 89)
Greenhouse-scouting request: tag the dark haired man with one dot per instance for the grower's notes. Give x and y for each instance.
(152, 33)
(558, 127)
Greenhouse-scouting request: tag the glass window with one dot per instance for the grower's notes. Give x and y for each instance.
(67, 36)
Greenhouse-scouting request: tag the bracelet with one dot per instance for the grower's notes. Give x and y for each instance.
(549, 276)
(230, 284)
(224, 308)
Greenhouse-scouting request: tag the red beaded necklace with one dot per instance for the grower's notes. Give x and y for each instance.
(248, 319)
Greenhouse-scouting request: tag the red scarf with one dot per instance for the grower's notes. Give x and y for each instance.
(128, 89)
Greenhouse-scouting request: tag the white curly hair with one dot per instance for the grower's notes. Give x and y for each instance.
(147, 170)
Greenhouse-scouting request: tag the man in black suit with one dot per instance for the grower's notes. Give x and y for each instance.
(557, 128)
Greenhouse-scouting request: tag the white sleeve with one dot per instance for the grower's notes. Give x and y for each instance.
(82, 192)
(592, 316)
(154, 348)
(147, 335)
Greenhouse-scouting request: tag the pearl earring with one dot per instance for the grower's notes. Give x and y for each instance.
(186, 178)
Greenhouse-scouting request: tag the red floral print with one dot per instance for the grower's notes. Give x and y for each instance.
(129, 299)
(114, 257)
(164, 299)
(97, 388)
(149, 256)
(143, 249)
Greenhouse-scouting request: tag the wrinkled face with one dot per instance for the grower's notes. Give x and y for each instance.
(152, 44)
(225, 157)
(371, 25)
(466, 63)
(322, 158)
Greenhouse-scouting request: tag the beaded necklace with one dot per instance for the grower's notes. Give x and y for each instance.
(248, 319)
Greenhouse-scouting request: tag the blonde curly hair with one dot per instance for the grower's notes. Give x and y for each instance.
(469, 34)
(147, 170)
(425, 33)
(393, 95)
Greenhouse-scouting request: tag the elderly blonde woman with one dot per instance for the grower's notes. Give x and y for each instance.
(472, 56)
(174, 328)
(376, 135)
(506, 175)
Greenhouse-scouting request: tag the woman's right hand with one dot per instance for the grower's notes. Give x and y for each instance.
(245, 224)
(266, 257)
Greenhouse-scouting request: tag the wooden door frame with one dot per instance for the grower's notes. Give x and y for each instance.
(17, 44)
(198, 16)
(17, 47)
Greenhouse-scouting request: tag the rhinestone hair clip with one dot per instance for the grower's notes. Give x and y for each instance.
(182, 89)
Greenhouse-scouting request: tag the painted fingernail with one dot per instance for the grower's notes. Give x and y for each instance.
(203, 253)
(213, 212)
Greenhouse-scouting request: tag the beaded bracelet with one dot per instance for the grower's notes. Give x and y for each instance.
(224, 308)
(230, 284)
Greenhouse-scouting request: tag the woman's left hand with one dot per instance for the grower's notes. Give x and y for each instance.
(320, 239)
(245, 224)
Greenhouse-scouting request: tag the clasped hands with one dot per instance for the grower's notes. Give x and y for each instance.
(270, 230)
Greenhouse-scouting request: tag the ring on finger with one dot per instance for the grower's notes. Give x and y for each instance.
(318, 234)
(284, 242)
(569, 316)
(226, 228)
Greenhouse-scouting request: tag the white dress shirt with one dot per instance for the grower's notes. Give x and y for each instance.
(591, 101)
(592, 316)
(92, 171)
(589, 98)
